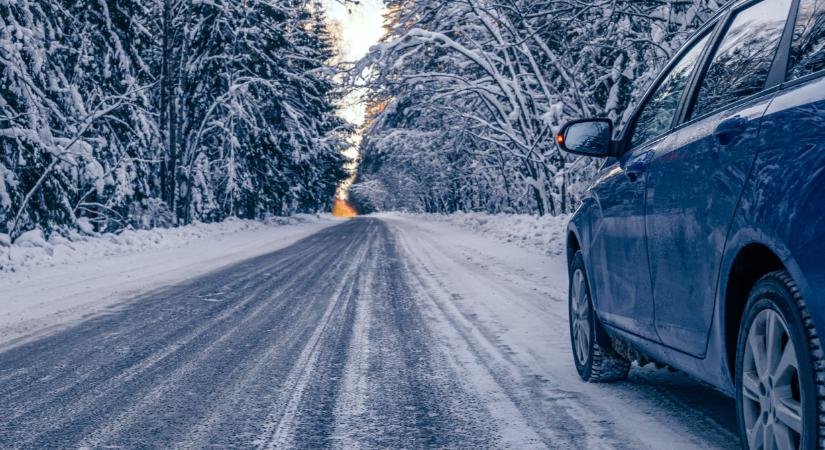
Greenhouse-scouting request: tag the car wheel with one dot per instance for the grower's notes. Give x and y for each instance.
(780, 372)
(595, 361)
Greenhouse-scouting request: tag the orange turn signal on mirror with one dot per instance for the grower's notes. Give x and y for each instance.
(560, 139)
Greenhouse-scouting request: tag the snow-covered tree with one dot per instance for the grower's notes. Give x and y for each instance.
(257, 105)
(146, 113)
(470, 92)
(76, 130)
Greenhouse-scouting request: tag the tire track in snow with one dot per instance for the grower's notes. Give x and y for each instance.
(553, 414)
(415, 397)
(169, 346)
(689, 403)
(158, 377)
(408, 397)
(651, 409)
(286, 410)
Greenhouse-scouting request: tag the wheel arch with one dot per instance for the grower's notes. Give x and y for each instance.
(573, 246)
(752, 262)
(577, 232)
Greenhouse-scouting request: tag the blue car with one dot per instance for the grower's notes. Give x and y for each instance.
(701, 243)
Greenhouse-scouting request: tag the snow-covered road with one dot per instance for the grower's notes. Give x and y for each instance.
(379, 332)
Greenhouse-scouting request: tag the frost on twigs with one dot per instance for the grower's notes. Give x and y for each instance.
(466, 97)
(136, 114)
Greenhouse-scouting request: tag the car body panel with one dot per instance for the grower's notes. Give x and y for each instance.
(789, 182)
(694, 186)
(621, 286)
(784, 205)
(806, 268)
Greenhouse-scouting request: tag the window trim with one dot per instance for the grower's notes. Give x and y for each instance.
(772, 83)
(779, 70)
(803, 79)
(692, 89)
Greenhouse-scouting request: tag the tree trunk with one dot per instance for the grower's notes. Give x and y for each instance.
(168, 109)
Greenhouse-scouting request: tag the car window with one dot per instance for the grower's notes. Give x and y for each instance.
(743, 60)
(808, 48)
(656, 117)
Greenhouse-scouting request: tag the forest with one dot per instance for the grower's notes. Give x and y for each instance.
(120, 114)
(466, 95)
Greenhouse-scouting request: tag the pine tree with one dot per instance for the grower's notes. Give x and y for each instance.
(150, 113)
(75, 117)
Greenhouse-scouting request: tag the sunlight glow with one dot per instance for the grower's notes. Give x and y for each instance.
(358, 27)
(343, 209)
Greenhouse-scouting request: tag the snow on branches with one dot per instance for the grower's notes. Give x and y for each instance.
(468, 94)
(112, 111)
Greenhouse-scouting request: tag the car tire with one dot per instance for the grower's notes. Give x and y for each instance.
(595, 359)
(780, 372)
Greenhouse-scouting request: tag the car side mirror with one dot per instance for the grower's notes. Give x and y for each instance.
(589, 137)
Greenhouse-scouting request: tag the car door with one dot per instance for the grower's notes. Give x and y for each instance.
(694, 185)
(620, 278)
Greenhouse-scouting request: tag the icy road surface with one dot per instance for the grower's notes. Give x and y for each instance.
(391, 332)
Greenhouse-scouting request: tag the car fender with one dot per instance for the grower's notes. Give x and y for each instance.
(583, 225)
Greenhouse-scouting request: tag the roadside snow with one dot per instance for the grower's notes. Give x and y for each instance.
(31, 249)
(48, 283)
(545, 234)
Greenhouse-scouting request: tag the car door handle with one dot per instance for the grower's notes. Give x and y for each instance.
(729, 129)
(636, 169)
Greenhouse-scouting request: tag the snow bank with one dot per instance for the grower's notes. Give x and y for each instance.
(32, 249)
(545, 234)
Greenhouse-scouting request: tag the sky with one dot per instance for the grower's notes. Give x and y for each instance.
(361, 26)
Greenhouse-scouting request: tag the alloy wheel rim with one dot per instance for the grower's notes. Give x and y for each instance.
(771, 387)
(580, 317)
